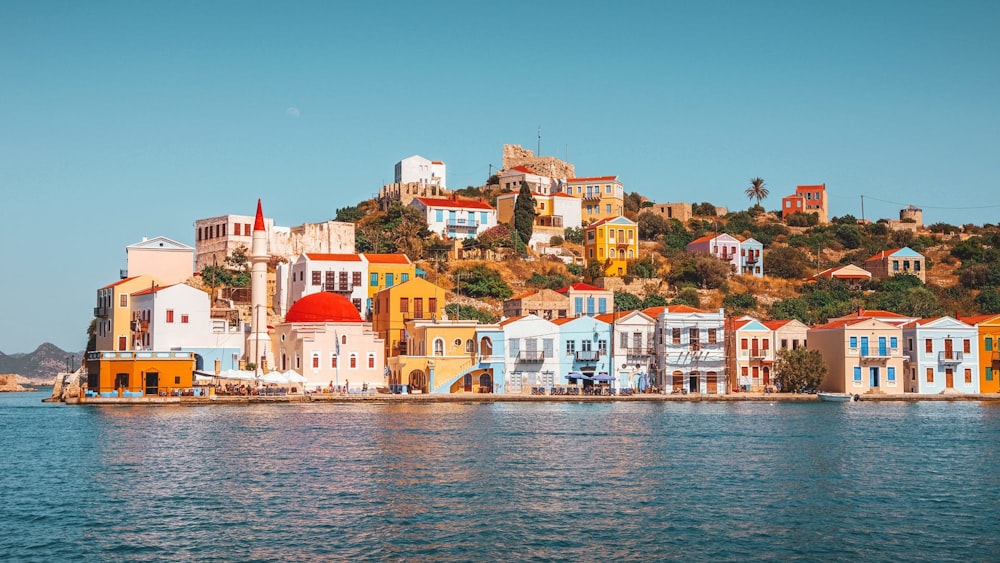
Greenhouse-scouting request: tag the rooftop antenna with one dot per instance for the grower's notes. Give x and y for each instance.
(539, 151)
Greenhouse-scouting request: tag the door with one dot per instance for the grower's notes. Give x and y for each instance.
(122, 343)
(881, 347)
(693, 383)
(949, 376)
(873, 377)
(152, 383)
(947, 351)
(467, 383)
(864, 345)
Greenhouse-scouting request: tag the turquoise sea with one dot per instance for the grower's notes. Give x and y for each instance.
(500, 482)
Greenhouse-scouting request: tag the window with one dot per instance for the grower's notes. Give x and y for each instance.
(373, 280)
(607, 188)
(404, 277)
(893, 342)
(624, 340)
(571, 347)
(765, 344)
(989, 373)
(968, 375)
(470, 346)
(578, 309)
(909, 344)
(675, 336)
(354, 361)
(343, 339)
(404, 305)
(928, 345)
(333, 361)
(857, 374)
(184, 319)
(743, 344)
(891, 375)
(316, 278)
(693, 335)
(784, 343)
(315, 358)
(854, 342)
(607, 208)
(988, 343)
(298, 362)
(389, 280)
(895, 265)
(371, 361)
(966, 346)
(602, 347)
(123, 300)
(170, 315)
(602, 306)
(356, 278)
(439, 347)
(916, 265)
(930, 375)
(458, 342)
(439, 215)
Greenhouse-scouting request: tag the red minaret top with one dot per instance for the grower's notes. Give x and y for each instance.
(258, 223)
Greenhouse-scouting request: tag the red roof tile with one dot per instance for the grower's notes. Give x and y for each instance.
(333, 257)
(775, 325)
(506, 322)
(523, 169)
(591, 179)
(387, 258)
(563, 320)
(578, 287)
(883, 254)
(453, 203)
(154, 289)
(119, 282)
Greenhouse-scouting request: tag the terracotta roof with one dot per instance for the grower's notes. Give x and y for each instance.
(883, 254)
(683, 309)
(387, 258)
(523, 295)
(323, 307)
(560, 194)
(436, 162)
(563, 320)
(705, 238)
(840, 323)
(119, 282)
(775, 325)
(524, 169)
(578, 287)
(506, 322)
(333, 257)
(154, 289)
(611, 317)
(455, 203)
(976, 319)
(736, 324)
(654, 311)
(258, 222)
(591, 179)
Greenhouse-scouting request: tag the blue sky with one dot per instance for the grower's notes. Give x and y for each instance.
(120, 120)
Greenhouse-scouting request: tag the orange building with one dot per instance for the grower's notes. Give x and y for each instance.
(139, 374)
(988, 327)
(807, 199)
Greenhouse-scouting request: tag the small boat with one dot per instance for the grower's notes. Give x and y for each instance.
(837, 397)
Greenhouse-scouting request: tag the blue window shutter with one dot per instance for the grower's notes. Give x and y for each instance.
(857, 373)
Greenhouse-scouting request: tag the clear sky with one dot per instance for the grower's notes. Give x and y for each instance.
(120, 120)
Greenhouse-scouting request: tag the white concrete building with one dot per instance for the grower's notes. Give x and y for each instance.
(633, 349)
(942, 356)
(691, 350)
(456, 218)
(178, 317)
(344, 274)
(531, 359)
(421, 170)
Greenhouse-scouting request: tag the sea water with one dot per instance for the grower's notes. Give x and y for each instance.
(500, 481)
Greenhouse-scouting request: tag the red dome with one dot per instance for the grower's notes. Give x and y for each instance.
(323, 307)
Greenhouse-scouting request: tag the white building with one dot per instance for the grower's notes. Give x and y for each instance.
(344, 274)
(420, 170)
(942, 356)
(531, 359)
(511, 179)
(633, 350)
(691, 350)
(178, 317)
(456, 218)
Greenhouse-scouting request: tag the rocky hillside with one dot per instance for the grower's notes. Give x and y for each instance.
(40, 366)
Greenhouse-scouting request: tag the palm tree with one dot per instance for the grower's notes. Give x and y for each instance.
(757, 190)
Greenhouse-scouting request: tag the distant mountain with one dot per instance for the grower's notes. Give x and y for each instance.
(39, 366)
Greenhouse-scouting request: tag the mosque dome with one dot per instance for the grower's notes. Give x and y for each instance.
(323, 307)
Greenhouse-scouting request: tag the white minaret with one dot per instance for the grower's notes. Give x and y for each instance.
(259, 346)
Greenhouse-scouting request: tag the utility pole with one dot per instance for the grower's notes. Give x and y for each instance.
(862, 208)
(539, 152)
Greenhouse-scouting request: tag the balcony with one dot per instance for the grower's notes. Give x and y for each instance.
(638, 353)
(875, 354)
(462, 224)
(947, 357)
(139, 326)
(345, 289)
(751, 260)
(587, 355)
(592, 196)
(101, 312)
(531, 357)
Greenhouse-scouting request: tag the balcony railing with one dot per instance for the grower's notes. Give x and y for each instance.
(588, 355)
(101, 312)
(875, 354)
(638, 352)
(531, 356)
(950, 357)
(463, 223)
(592, 196)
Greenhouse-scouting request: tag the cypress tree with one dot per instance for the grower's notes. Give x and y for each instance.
(524, 213)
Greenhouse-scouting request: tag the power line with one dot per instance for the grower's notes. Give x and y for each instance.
(932, 206)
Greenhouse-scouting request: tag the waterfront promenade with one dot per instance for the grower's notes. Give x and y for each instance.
(513, 398)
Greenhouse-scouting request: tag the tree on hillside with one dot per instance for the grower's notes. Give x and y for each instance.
(524, 213)
(481, 281)
(687, 296)
(757, 190)
(786, 262)
(738, 303)
(351, 214)
(799, 368)
(626, 301)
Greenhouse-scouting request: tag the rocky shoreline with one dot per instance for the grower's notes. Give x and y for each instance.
(13, 383)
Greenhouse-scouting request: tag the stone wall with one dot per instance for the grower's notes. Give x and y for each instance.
(404, 193)
(639, 287)
(331, 237)
(549, 166)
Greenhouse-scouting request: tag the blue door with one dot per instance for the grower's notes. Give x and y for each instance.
(881, 347)
(873, 377)
(864, 345)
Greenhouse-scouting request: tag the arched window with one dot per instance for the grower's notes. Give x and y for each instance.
(438, 346)
(612, 254)
(343, 339)
(315, 358)
(470, 346)
(486, 346)
(630, 254)
(371, 361)
(354, 361)
(333, 361)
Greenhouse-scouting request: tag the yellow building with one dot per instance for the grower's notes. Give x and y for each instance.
(989, 351)
(416, 299)
(612, 243)
(441, 357)
(601, 197)
(114, 312)
(139, 374)
(387, 270)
